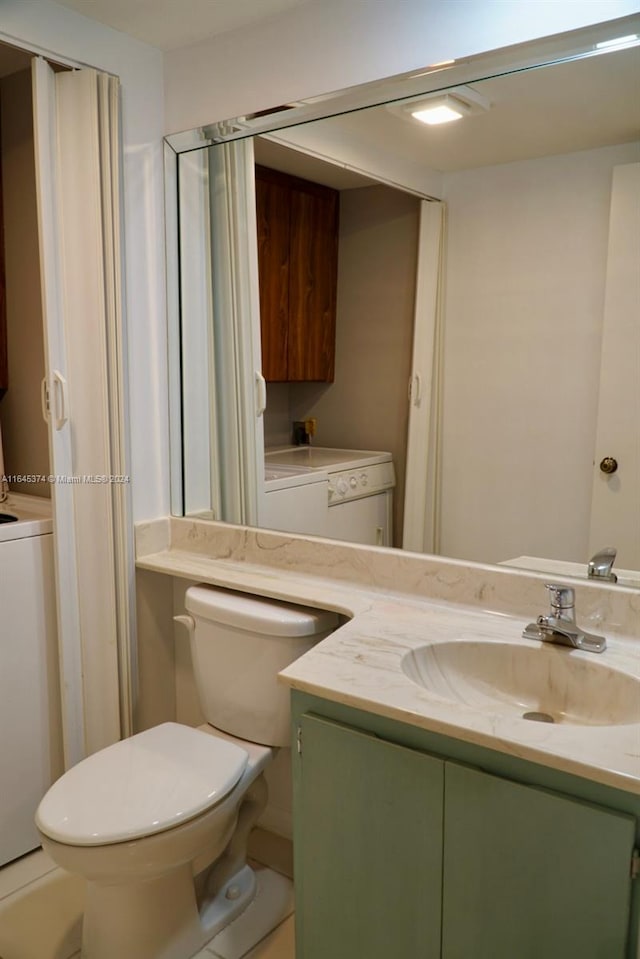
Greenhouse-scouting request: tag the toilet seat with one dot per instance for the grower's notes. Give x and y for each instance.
(140, 786)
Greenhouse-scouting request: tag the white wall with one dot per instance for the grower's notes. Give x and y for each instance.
(526, 263)
(325, 45)
(45, 27)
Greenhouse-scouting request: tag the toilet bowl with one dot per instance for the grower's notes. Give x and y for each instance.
(158, 823)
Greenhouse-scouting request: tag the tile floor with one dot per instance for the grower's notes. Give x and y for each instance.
(41, 907)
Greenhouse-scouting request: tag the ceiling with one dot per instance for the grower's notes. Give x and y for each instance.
(169, 24)
(564, 108)
(570, 106)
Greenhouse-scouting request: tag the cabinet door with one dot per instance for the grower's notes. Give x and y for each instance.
(531, 874)
(4, 360)
(273, 209)
(313, 283)
(368, 846)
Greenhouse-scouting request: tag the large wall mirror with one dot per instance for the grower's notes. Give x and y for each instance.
(486, 297)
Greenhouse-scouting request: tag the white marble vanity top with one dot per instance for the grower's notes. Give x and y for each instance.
(396, 602)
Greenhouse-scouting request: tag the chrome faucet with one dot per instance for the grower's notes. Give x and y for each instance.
(560, 625)
(601, 565)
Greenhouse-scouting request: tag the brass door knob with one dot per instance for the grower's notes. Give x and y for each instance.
(608, 464)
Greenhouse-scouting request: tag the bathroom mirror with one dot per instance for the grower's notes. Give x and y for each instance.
(520, 367)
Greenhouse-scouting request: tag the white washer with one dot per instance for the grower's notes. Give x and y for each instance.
(30, 721)
(359, 490)
(295, 500)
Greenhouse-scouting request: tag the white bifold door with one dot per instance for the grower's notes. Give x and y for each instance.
(76, 120)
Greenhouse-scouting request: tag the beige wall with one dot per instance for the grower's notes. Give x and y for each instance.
(155, 697)
(366, 407)
(24, 433)
(527, 253)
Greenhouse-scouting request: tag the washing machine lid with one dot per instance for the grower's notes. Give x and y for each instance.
(140, 786)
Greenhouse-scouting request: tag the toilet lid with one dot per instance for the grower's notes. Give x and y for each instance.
(140, 786)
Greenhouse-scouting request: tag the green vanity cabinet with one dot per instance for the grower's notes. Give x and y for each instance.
(529, 873)
(368, 877)
(413, 852)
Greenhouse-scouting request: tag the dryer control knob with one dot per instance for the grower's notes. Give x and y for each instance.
(342, 486)
(364, 479)
(353, 482)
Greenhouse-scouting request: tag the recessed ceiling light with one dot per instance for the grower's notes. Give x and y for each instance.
(439, 110)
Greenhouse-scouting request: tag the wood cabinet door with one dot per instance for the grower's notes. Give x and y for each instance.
(368, 846)
(313, 283)
(298, 271)
(530, 874)
(273, 213)
(4, 359)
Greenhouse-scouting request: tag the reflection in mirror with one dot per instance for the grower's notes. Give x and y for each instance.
(486, 331)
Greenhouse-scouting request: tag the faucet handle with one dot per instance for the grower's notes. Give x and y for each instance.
(561, 597)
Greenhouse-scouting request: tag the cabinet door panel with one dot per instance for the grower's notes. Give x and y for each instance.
(4, 360)
(273, 208)
(312, 284)
(368, 847)
(531, 874)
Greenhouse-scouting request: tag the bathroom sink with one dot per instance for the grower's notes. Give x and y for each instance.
(545, 683)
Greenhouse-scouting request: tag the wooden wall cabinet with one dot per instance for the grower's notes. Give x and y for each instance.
(4, 359)
(403, 852)
(298, 269)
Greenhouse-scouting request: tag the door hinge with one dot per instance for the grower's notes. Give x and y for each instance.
(299, 740)
(635, 864)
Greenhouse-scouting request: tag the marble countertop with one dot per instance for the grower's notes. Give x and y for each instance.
(360, 664)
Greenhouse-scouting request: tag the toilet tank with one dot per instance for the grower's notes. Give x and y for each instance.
(239, 644)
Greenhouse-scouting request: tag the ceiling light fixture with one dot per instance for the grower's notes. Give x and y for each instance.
(437, 110)
(441, 107)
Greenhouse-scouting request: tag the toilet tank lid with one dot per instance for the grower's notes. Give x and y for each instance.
(140, 786)
(258, 614)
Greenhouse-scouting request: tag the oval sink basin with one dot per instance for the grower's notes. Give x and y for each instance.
(544, 683)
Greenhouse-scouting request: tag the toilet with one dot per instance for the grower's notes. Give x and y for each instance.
(158, 823)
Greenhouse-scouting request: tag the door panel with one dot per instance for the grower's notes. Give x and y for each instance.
(312, 285)
(615, 506)
(531, 874)
(368, 847)
(366, 520)
(79, 240)
(273, 211)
